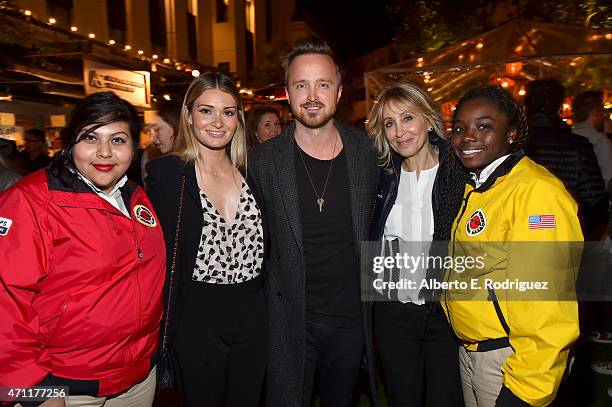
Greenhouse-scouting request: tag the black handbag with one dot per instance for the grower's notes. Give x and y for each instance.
(166, 360)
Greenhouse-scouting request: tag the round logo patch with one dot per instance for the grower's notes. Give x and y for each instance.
(476, 223)
(144, 216)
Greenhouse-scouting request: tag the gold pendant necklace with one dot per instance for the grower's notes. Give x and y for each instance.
(320, 198)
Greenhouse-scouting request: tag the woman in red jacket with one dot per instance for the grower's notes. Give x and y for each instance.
(82, 272)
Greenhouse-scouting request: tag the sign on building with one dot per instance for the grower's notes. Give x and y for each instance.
(133, 86)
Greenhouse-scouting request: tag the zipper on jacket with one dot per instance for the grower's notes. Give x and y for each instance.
(459, 218)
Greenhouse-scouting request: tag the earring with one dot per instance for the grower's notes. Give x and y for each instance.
(189, 121)
(430, 129)
(510, 141)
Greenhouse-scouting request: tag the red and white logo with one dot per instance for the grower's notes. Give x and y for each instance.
(144, 216)
(476, 224)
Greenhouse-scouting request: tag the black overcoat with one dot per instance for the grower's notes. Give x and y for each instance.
(271, 166)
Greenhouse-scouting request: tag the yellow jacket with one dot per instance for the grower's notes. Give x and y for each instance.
(508, 208)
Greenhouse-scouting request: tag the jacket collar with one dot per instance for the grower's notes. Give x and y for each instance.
(85, 197)
(503, 169)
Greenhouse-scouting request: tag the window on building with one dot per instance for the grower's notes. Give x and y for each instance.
(117, 21)
(61, 10)
(157, 21)
(222, 9)
(192, 36)
(268, 12)
(250, 56)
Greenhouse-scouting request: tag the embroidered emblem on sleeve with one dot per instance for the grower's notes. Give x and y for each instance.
(476, 224)
(144, 216)
(542, 222)
(5, 226)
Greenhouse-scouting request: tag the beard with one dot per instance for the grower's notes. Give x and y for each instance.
(314, 120)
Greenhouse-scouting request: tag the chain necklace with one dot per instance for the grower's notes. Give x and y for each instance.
(320, 198)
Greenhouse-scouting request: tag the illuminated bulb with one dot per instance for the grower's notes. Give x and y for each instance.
(52, 20)
(73, 28)
(111, 42)
(140, 52)
(167, 97)
(429, 89)
(92, 35)
(27, 12)
(504, 84)
(522, 92)
(566, 106)
(195, 73)
(154, 56)
(166, 60)
(479, 45)
(127, 47)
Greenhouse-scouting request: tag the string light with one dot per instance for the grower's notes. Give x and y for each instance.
(167, 97)
(127, 47)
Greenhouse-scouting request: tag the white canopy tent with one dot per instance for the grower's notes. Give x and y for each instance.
(510, 55)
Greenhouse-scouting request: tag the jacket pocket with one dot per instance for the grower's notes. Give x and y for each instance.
(53, 323)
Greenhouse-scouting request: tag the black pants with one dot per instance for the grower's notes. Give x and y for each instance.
(335, 353)
(221, 345)
(419, 356)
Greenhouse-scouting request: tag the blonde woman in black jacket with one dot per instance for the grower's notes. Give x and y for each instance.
(418, 349)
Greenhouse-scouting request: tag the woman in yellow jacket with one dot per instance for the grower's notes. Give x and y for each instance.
(516, 338)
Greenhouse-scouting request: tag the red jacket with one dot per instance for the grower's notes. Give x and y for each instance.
(80, 287)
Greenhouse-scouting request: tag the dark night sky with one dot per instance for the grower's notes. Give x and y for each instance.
(351, 27)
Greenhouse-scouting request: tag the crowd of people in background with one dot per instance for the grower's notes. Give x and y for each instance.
(236, 245)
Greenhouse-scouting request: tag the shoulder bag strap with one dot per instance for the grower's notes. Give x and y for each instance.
(173, 267)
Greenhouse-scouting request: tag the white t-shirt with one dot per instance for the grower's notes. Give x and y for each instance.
(411, 222)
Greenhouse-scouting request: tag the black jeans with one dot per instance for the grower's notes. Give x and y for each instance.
(221, 345)
(335, 353)
(420, 357)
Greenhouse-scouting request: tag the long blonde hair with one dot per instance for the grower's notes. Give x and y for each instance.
(186, 145)
(406, 94)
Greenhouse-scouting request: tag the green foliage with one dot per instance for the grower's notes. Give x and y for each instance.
(424, 26)
(269, 70)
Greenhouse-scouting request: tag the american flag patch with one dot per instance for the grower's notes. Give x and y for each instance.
(542, 222)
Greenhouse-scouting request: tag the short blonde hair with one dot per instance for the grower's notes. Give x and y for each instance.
(406, 94)
(186, 145)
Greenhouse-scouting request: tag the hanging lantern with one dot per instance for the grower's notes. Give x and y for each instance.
(514, 68)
